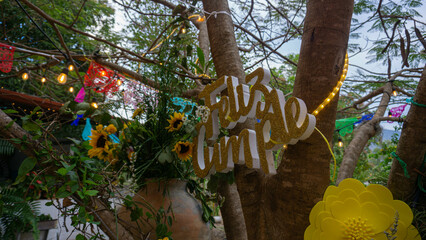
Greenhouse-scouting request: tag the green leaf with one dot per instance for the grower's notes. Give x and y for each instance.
(90, 182)
(49, 204)
(201, 58)
(62, 193)
(30, 126)
(199, 70)
(10, 111)
(75, 141)
(27, 165)
(169, 220)
(80, 237)
(91, 192)
(62, 171)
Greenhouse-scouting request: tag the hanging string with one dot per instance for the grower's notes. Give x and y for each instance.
(402, 163)
(331, 151)
(410, 100)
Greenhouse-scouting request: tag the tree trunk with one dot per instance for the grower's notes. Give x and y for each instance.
(361, 137)
(363, 134)
(277, 207)
(411, 146)
(304, 172)
(227, 61)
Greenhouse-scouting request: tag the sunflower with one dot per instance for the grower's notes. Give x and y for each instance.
(183, 150)
(176, 122)
(101, 145)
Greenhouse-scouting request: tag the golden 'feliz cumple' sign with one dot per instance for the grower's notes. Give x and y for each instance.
(281, 122)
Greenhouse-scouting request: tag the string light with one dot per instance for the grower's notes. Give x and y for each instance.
(43, 79)
(389, 114)
(103, 73)
(119, 82)
(71, 89)
(94, 104)
(336, 88)
(394, 92)
(183, 30)
(25, 75)
(62, 78)
(198, 16)
(70, 67)
(340, 142)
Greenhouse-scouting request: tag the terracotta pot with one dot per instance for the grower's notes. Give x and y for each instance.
(187, 221)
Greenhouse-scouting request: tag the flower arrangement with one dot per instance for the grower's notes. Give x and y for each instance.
(160, 141)
(353, 211)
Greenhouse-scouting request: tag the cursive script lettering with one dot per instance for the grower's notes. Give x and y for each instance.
(281, 122)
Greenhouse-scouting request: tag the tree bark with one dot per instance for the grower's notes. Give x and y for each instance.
(411, 146)
(363, 134)
(277, 207)
(227, 61)
(304, 172)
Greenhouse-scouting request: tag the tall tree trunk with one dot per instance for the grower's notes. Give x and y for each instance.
(304, 172)
(361, 137)
(363, 134)
(277, 207)
(227, 61)
(411, 146)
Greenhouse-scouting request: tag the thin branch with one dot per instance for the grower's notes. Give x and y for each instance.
(286, 18)
(78, 14)
(265, 44)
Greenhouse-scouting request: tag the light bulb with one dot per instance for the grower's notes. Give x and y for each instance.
(70, 67)
(62, 78)
(119, 82)
(94, 104)
(103, 73)
(394, 93)
(71, 89)
(389, 114)
(340, 143)
(43, 79)
(183, 30)
(25, 75)
(200, 19)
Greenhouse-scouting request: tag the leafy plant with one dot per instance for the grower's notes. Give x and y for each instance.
(16, 214)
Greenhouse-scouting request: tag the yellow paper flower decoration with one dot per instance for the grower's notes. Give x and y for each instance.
(101, 147)
(183, 150)
(175, 121)
(166, 238)
(352, 211)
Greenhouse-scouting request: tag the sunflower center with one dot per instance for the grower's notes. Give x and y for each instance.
(184, 148)
(101, 142)
(357, 229)
(176, 123)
